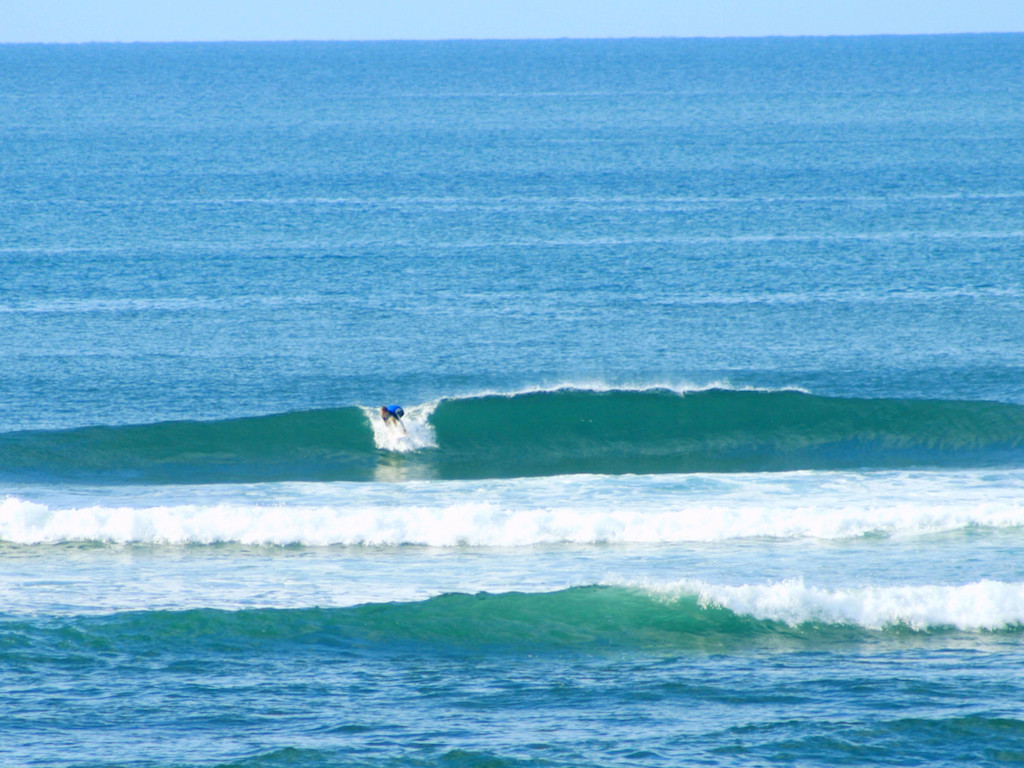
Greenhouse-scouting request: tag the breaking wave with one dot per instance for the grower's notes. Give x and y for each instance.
(567, 509)
(688, 616)
(539, 433)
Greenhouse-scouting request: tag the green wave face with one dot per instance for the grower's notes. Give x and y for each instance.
(312, 445)
(581, 619)
(588, 619)
(538, 434)
(660, 431)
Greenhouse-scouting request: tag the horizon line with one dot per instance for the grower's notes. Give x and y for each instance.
(552, 38)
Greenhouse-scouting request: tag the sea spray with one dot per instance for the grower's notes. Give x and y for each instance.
(412, 433)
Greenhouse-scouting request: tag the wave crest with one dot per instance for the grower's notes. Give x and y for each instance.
(588, 619)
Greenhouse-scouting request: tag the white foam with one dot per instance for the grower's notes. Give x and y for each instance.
(412, 434)
(575, 509)
(677, 386)
(980, 605)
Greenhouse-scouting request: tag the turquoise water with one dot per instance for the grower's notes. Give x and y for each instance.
(711, 355)
(567, 431)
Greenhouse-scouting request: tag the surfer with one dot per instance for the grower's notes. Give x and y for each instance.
(392, 415)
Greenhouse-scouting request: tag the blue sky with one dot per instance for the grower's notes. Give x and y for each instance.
(194, 20)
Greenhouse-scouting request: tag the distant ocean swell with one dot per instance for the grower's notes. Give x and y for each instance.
(535, 434)
(684, 616)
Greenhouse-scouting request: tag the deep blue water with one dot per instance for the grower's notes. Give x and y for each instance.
(711, 353)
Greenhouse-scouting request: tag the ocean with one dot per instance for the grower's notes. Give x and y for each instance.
(711, 354)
